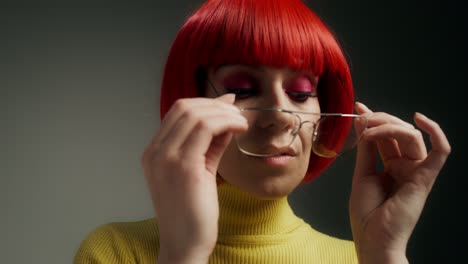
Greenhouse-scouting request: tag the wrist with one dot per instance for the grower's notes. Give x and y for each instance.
(378, 257)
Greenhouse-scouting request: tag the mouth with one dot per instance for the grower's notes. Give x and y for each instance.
(269, 151)
(285, 151)
(280, 160)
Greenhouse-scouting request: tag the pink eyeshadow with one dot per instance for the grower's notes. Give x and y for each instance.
(301, 84)
(237, 81)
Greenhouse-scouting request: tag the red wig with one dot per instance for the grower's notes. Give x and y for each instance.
(278, 33)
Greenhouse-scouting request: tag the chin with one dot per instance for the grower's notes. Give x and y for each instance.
(271, 192)
(266, 187)
(267, 178)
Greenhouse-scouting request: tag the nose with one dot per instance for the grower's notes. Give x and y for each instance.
(276, 119)
(279, 121)
(275, 96)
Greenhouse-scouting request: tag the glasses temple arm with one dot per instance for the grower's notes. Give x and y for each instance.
(202, 78)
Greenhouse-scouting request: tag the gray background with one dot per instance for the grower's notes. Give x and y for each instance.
(78, 92)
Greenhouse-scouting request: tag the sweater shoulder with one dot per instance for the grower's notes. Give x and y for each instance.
(337, 249)
(120, 242)
(332, 240)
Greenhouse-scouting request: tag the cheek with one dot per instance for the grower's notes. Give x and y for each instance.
(316, 105)
(306, 141)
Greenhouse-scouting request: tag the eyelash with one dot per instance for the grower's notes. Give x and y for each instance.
(243, 93)
(301, 96)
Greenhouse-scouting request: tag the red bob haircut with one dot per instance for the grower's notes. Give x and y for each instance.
(278, 33)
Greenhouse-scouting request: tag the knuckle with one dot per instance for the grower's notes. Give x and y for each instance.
(160, 158)
(447, 150)
(191, 115)
(167, 159)
(204, 125)
(388, 117)
(163, 164)
(181, 105)
(417, 134)
(414, 136)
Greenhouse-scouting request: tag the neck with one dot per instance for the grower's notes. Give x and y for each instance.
(244, 214)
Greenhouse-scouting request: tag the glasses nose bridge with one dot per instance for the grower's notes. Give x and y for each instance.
(279, 120)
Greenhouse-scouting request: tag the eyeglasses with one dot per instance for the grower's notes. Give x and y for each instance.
(272, 131)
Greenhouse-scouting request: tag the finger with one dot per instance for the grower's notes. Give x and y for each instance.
(228, 98)
(195, 109)
(379, 118)
(440, 145)
(410, 141)
(365, 160)
(362, 108)
(203, 135)
(194, 104)
(191, 122)
(388, 149)
(366, 150)
(186, 105)
(215, 152)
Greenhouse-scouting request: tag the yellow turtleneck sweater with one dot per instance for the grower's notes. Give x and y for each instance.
(251, 230)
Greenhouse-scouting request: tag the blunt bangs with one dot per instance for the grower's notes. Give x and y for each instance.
(284, 34)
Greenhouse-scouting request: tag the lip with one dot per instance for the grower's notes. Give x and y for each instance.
(284, 151)
(277, 160)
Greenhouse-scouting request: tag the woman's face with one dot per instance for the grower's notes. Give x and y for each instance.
(267, 87)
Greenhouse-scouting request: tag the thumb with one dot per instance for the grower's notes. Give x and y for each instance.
(366, 151)
(219, 143)
(216, 150)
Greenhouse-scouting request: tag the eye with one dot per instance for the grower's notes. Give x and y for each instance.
(241, 85)
(300, 89)
(300, 96)
(241, 93)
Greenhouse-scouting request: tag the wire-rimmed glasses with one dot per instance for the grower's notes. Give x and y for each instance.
(271, 131)
(262, 139)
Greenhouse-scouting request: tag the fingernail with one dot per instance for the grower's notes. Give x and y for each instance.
(229, 97)
(362, 108)
(362, 105)
(420, 115)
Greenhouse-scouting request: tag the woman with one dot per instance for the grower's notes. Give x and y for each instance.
(256, 99)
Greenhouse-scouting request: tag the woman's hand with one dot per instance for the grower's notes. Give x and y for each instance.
(385, 205)
(180, 166)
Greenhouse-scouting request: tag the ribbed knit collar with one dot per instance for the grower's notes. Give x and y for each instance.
(244, 214)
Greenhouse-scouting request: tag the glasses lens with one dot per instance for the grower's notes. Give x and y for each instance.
(329, 140)
(270, 131)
